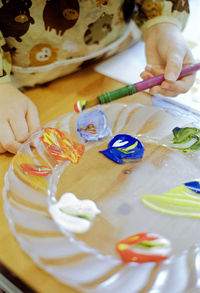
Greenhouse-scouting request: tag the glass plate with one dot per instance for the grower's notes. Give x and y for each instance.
(89, 261)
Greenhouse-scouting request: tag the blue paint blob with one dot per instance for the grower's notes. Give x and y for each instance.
(193, 185)
(124, 148)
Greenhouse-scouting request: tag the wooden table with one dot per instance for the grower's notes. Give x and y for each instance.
(52, 100)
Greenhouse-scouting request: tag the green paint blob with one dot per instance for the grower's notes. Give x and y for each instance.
(185, 135)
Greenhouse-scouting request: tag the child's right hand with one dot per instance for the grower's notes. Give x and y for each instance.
(18, 118)
(167, 52)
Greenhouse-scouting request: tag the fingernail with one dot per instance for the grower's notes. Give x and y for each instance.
(153, 91)
(170, 76)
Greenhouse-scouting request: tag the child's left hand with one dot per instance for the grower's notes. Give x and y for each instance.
(167, 52)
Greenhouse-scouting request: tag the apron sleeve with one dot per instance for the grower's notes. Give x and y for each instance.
(150, 12)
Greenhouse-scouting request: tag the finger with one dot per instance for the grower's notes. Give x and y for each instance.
(32, 118)
(163, 92)
(148, 72)
(8, 141)
(181, 86)
(155, 90)
(157, 69)
(155, 64)
(145, 75)
(2, 150)
(152, 55)
(173, 89)
(149, 68)
(174, 64)
(19, 127)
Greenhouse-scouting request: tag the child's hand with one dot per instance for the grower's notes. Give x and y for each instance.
(18, 118)
(167, 52)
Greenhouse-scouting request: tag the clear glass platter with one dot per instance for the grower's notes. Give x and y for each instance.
(89, 261)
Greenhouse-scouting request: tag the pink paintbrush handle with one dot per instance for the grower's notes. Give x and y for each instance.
(142, 85)
(157, 80)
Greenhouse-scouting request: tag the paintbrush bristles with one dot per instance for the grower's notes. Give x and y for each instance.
(81, 105)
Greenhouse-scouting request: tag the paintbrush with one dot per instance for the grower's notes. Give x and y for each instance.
(130, 89)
